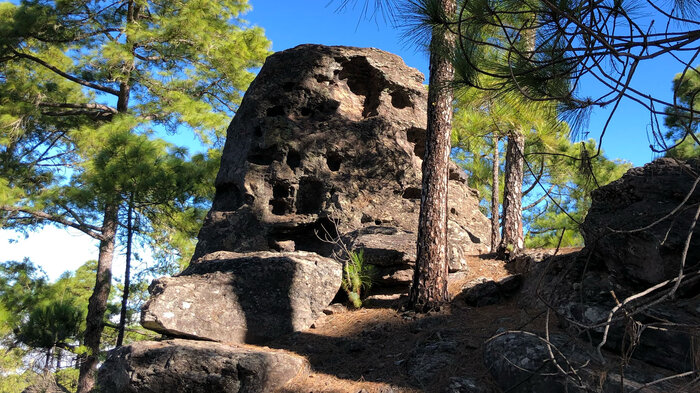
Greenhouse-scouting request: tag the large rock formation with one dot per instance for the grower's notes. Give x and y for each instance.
(331, 139)
(638, 225)
(185, 366)
(636, 232)
(243, 298)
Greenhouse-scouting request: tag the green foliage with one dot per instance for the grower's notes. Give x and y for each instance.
(571, 188)
(51, 324)
(357, 277)
(684, 121)
(67, 150)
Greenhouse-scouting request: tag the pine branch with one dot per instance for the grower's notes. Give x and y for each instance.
(89, 230)
(100, 107)
(65, 74)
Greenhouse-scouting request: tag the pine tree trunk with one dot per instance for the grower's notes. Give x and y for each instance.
(98, 300)
(512, 236)
(512, 241)
(495, 191)
(127, 272)
(429, 289)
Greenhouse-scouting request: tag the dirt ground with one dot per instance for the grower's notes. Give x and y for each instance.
(384, 348)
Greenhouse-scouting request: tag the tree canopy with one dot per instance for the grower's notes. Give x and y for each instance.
(88, 89)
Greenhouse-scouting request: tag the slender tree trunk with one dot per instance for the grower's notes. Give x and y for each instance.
(512, 241)
(495, 205)
(429, 289)
(512, 237)
(47, 361)
(98, 300)
(127, 271)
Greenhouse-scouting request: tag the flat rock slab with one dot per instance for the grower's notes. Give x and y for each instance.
(179, 366)
(243, 298)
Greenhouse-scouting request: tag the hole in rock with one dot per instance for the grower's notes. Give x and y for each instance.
(411, 193)
(293, 159)
(277, 110)
(377, 222)
(329, 106)
(305, 111)
(333, 160)
(310, 196)
(417, 136)
(363, 80)
(453, 211)
(228, 198)
(282, 190)
(280, 207)
(400, 99)
(308, 237)
(264, 156)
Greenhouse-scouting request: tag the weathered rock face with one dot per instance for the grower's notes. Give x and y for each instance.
(521, 362)
(636, 201)
(243, 298)
(332, 137)
(579, 285)
(185, 366)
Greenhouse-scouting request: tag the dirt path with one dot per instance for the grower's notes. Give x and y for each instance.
(381, 348)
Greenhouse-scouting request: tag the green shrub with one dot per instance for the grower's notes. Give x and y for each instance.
(357, 277)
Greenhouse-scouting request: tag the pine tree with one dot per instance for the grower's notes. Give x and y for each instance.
(683, 138)
(80, 75)
(429, 288)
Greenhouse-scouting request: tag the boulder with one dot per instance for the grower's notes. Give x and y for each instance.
(483, 292)
(621, 227)
(328, 143)
(243, 298)
(522, 362)
(186, 366)
(579, 289)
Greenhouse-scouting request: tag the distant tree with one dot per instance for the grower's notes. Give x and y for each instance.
(683, 138)
(554, 219)
(77, 75)
(484, 116)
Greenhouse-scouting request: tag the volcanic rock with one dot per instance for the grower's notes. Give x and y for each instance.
(523, 362)
(328, 143)
(638, 225)
(186, 366)
(243, 298)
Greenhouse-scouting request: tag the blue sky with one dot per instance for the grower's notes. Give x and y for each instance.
(288, 23)
(294, 22)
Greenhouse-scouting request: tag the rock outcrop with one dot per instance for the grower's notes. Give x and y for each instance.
(243, 298)
(635, 233)
(638, 225)
(186, 366)
(331, 139)
(523, 363)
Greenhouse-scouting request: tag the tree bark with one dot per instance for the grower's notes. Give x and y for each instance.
(97, 304)
(429, 289)
(512, 236)
(127, 271)
(495, 191)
